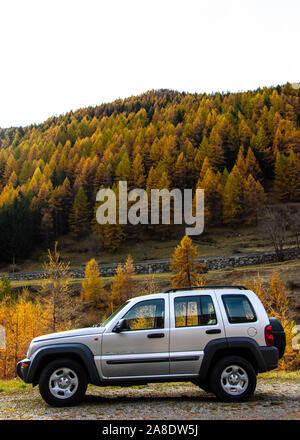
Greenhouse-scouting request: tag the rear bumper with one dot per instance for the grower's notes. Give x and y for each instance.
(270, 357)
(22, 369)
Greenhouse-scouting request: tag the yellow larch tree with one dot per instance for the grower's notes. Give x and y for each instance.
(92, 285)
(184, 265)
(276, 303)
(123, 286)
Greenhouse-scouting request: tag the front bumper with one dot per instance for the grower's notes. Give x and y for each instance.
(23, 368)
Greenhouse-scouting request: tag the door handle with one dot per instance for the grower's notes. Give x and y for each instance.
(213, 331)
(156, 335)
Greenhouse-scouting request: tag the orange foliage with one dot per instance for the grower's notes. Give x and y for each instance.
(276, 303)
(22, 320)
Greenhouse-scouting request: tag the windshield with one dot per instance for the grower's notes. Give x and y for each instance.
(103, 324)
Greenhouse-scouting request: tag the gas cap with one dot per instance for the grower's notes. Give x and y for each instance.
(252, 331)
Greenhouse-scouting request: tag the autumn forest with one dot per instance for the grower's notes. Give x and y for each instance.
(242, 148)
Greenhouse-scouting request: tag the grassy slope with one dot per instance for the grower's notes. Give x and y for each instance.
(213, 242)
(288, 271)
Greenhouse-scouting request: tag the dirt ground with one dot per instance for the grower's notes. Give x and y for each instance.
(273, 399)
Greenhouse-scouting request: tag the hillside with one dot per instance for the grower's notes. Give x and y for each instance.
(242, 148)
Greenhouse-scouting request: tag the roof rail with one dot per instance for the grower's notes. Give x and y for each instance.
(205, 287)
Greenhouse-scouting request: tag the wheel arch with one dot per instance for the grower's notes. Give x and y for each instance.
(79, 352)
(220, 348)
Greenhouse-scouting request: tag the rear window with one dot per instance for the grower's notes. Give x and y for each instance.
(194, 311)
(238, 309)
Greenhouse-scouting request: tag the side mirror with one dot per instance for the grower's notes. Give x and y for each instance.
(119, 326)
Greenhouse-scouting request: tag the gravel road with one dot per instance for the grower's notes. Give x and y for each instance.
(272, 400)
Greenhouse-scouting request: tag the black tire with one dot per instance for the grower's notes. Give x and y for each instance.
(76, 373)
(226, 373)
(205, 386)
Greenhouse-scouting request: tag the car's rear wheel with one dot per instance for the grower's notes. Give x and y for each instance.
(63, 382)
(233, 379)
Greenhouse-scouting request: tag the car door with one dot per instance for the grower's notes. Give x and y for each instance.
(195, 320)
(142, 348)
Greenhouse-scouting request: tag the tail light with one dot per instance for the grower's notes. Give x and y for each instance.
(269, 335)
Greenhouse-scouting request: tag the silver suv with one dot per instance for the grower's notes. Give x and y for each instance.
(218, 337)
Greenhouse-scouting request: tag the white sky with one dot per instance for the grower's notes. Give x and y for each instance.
(61, 55)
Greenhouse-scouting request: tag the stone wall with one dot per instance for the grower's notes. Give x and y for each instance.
(160, 266)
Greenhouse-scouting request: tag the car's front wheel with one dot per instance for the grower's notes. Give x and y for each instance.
(233, 379)
(63, 382)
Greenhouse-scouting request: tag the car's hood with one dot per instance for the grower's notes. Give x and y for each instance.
(71, 333)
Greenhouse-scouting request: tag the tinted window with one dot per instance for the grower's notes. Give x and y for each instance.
(238, 309)
(146, 315)
(194, 310)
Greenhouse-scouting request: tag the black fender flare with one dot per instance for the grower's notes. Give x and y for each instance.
(222, 344)
(80, 350)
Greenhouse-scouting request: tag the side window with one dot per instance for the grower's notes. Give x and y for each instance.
(208, 314)
(194, 310)
(238, 309)
(146, 315)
